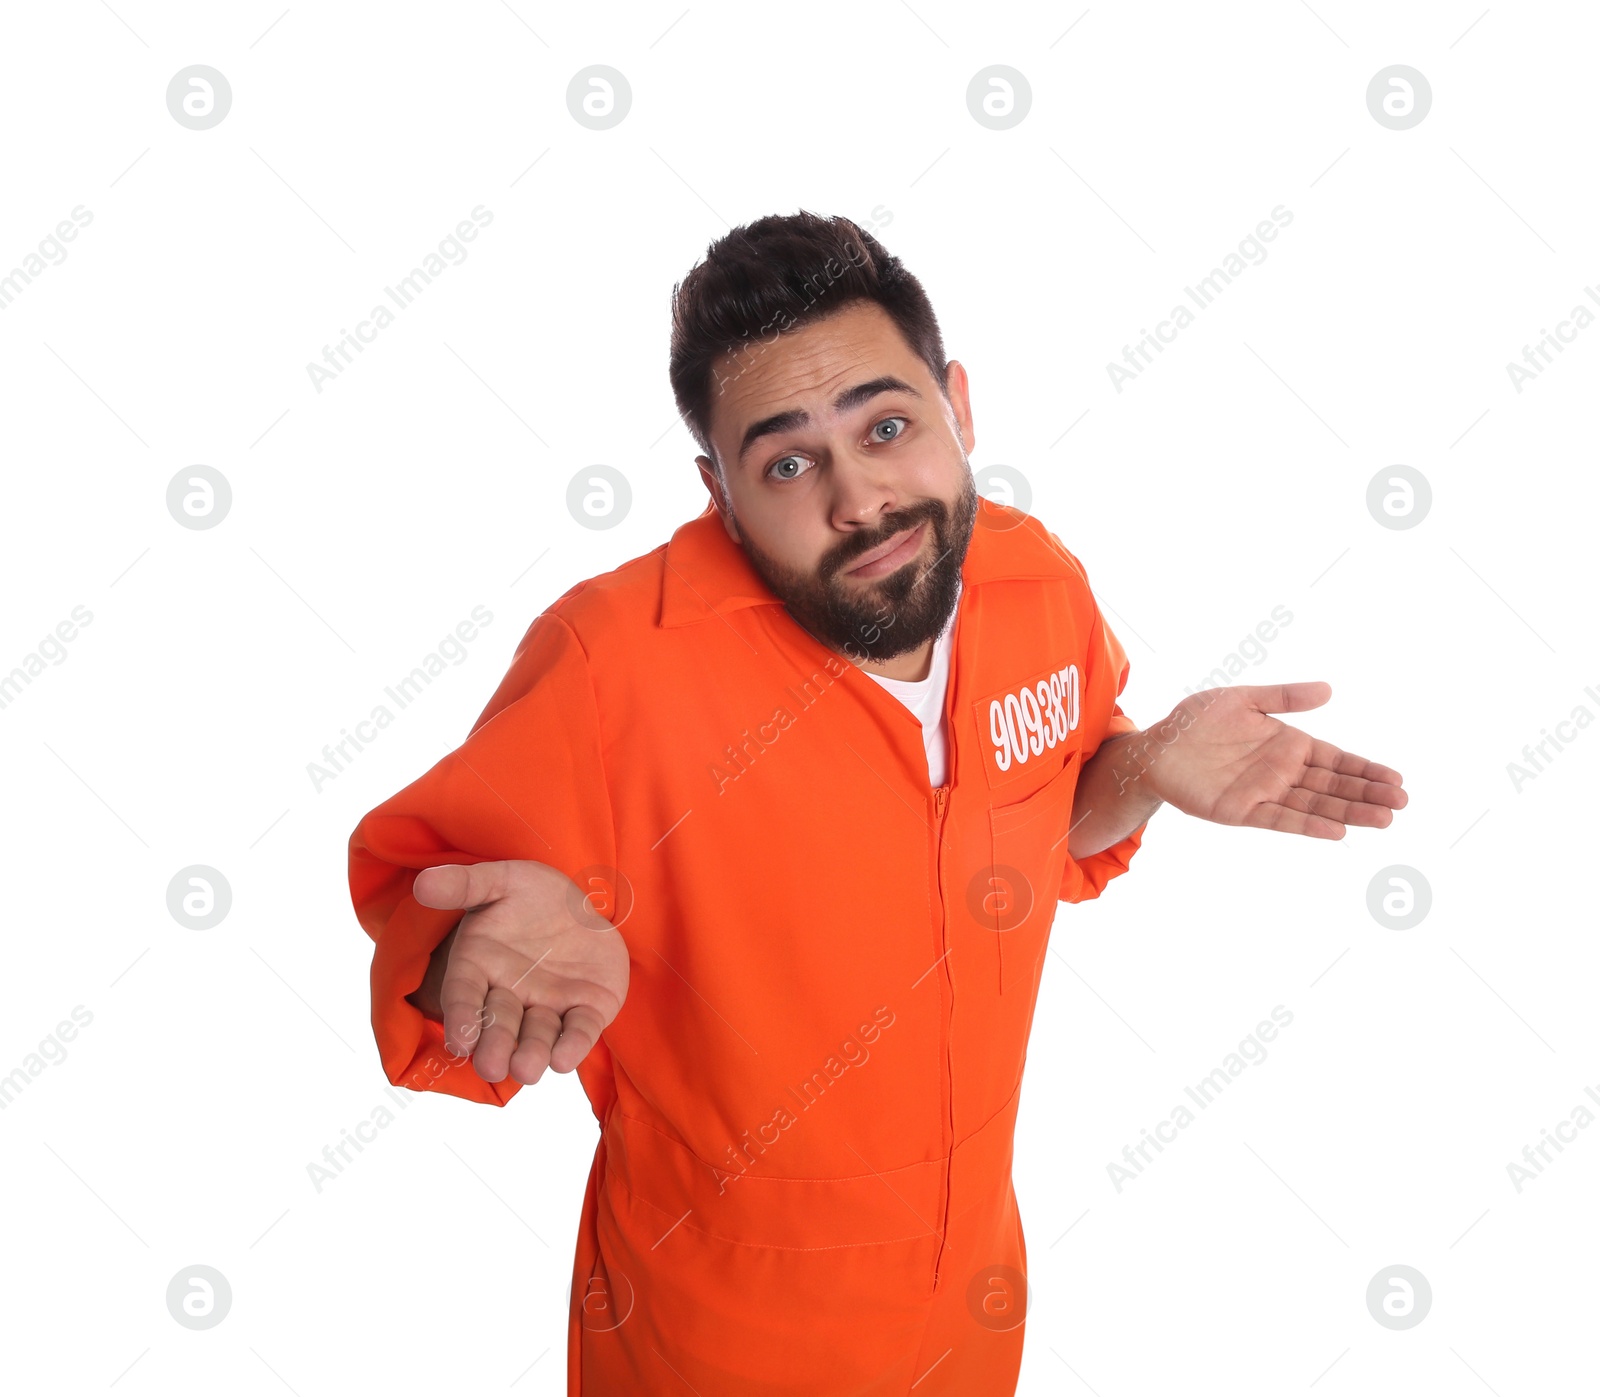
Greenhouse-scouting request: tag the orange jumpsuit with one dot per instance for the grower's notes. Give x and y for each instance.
(802, 1184)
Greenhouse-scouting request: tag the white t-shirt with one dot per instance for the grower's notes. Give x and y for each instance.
(925, 697)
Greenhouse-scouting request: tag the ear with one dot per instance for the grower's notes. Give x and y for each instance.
(960, 403)
(708, 474)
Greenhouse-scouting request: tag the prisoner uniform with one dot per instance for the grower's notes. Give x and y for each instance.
(802, 1183)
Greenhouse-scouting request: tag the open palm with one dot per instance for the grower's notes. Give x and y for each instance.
(1221, 756)
(535, 973)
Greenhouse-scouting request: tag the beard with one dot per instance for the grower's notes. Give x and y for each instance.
(881, 617)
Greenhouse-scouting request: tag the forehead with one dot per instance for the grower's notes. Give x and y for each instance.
(804, 367)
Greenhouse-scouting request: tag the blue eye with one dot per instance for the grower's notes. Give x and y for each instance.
(776, 470)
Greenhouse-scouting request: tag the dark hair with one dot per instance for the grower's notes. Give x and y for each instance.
(779, 273)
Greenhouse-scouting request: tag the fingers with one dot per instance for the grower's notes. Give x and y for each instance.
(1325, 754)
(461, 884)
(1286, 698)
(506, 1038)
(1302, 811)
(501, 1037)
(1354, 788)
(463, 1006)
(549, 1040)
(1294, 819)
(540, 1027)
(1347, 812)
(579, 1032)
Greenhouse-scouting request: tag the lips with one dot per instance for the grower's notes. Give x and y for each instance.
(899, 541)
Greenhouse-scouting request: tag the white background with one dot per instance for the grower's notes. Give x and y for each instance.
(370, 518)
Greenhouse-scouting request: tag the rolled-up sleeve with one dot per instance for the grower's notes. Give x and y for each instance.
(528, 783)
(1105, 675)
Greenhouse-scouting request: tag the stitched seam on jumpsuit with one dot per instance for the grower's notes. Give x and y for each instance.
(782, 1178)
(982, 1199)
(973, 1134)
(594, 704)
(951, 1217)
(767, 1246)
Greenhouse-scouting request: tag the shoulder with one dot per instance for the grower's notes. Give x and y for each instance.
(1008, 543)
(620, 604)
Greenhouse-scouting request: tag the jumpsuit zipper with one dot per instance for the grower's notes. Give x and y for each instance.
(941, 796)
(941, 802)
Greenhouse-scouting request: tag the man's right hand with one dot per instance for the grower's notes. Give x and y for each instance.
(531, 974)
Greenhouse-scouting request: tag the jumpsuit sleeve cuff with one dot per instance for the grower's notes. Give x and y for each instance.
(411, 1047)
(1087, 877)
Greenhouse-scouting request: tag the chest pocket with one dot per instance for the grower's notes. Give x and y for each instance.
(1029, 843)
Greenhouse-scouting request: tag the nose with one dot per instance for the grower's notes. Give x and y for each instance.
(863, 494)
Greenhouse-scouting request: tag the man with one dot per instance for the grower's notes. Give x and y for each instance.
(763, 833)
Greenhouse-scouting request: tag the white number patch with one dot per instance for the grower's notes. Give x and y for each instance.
(1034, 718)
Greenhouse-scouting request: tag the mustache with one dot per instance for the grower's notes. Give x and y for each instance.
(898, 524)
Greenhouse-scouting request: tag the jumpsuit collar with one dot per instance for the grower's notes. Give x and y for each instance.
(707, 574)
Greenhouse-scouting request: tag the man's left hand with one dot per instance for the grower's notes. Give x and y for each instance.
(1221, 756)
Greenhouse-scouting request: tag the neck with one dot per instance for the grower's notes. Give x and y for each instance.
(914, 665)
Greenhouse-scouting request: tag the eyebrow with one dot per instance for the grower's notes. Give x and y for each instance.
(798, 417)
